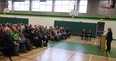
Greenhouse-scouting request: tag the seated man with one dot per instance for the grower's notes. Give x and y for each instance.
(89, 34)
(9, 43)
(16, 38)
(84, 34)
(24, 43)
(53, 34)
(38, 38)
(44, 36)
(62, 33)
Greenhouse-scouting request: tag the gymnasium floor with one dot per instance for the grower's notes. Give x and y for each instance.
(72, 49)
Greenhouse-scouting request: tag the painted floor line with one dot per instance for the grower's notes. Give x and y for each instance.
(57, 46)
(109, 57)
(50, 43)
(22, 55)
(62, 41)
(41, 52)
(77, 50)
(32, 56)
(95, 42)
(90, 58)
(60, 44)
(34, 51)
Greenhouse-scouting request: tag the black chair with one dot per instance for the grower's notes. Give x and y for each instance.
(6, 52)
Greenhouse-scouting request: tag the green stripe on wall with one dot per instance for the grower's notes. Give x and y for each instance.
(61, 16)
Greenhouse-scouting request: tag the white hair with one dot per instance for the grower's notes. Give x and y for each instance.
(6, 28)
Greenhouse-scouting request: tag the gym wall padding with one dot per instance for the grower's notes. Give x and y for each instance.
(77, 27)
(13, 20)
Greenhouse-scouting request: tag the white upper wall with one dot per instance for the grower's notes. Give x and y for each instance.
(49, 21)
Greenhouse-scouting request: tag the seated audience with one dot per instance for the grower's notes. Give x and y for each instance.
(20, 37)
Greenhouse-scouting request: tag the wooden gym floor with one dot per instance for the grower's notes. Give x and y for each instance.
(72, 49)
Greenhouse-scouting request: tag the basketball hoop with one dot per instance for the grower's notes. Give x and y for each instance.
(73, 13)
(6, 10)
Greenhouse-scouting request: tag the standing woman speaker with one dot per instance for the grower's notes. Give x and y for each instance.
(109, 39)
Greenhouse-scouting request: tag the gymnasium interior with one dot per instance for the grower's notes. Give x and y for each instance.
(57, 30)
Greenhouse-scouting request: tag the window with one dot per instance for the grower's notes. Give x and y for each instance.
(21, 6)
(60, 5)
(64, 5)
(83, 6)
(10, 5)
(42, 6)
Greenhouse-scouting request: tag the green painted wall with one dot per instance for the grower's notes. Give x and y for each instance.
(77, 27)
(13, 20)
